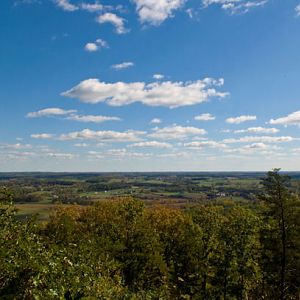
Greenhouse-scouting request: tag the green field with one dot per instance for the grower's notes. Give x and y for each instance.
(37, 193)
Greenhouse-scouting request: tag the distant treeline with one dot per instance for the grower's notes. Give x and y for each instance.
(122, 250)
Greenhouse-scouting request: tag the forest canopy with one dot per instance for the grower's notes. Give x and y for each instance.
(123, 249)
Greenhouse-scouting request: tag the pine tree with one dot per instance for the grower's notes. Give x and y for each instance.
(280, 237)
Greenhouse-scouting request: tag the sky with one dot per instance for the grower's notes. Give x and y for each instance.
(149, 85)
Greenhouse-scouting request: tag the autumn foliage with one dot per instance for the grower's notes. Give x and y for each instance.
(122, 250)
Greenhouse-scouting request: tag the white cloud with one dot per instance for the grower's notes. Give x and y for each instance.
(92, 118)
(81, 145)
(95, 155)
(235, 6)
(196, 138)
(106, 135)
(124, 65)
(17, 146)
(119, 154)
(190, 12)
(257, 146)
(176, 132)
(50, 112)
(41, 136)
(66, 5)
(154, 12)
(150, 144)
(61, 155)
(70, 115)
(205, 117)
(261, 139)
(102, 43)
(204, 144)
(158, 76)
(91, 47)
(260, 147)
(96, 46)
(258, 130)
(113, 19)
(169, 94)
(16, 155)
(297, 10)
(173, 155)
(291, 119)
(155, 121)
(92, 7)
(240, 119)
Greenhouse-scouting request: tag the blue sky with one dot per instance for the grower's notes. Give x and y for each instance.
(149, 85)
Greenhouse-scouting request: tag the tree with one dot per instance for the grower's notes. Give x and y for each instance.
(209, 218)
(181, 240)
(280, 236)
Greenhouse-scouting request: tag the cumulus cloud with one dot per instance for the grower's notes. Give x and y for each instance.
(154, 12)
(158, 76)
(258, 130)
(42, 136)
(240, 119)
(66, 5)
(204, 144)
(176, 132)
(92, 118)
(155, 121)
(291, 119)
(47, 112)
(205, 117)
(91, 47)
(261, 139)
(106, 135)
(150, 144)
(235, 6)
(96, 46)
(116, 21)
(169, 94)
(124, 65)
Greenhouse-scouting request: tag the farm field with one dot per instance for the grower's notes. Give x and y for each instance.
(38, 193)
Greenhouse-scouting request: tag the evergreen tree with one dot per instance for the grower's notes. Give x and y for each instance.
(280, 237)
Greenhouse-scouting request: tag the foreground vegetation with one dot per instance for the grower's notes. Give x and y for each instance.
(124, 250)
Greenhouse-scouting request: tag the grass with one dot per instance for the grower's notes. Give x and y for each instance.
(41, 210)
